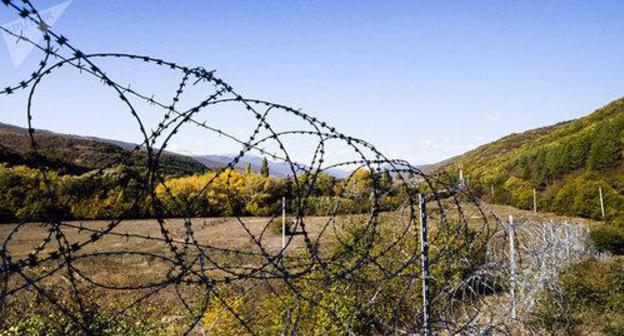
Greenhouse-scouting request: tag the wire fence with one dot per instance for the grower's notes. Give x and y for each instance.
(522, 263)
(440, 263)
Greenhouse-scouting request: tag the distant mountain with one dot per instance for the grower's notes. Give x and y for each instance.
(565, 163)
(277, 169)
(78, 154)
(431, 168)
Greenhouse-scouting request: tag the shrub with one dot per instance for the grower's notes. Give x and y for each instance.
(595, 285)
(590, 300)
(608, 238)
(39, 318)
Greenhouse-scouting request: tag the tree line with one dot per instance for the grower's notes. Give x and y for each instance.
(120, 191)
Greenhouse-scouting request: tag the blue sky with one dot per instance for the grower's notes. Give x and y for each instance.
(421, 80)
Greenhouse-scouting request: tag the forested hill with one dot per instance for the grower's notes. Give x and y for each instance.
(565, 163)
(76, 155)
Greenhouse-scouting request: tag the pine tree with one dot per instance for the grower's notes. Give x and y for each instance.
(605, 148)
(248, 168)
(264, 169)
(579, 151)
(526, 172)
(386, 181)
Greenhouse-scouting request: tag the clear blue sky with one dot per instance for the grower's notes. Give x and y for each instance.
(422, 80)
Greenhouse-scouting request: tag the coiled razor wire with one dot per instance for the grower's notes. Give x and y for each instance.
(542, 249)
(187, 276)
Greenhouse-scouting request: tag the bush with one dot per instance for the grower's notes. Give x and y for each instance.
(521, 192)
(608, 238)
(39, 318)
(590, 300)
(595, 285)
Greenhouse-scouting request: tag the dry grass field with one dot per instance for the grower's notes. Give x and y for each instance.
(223, 239)
(225, 233)
(216, 234)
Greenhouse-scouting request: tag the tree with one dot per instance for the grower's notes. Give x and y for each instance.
(526, 172)
(605, 148)
(578, 151)
(554, 165)
(264, 169)
(386, 181)
(248, 168)
(324, 185)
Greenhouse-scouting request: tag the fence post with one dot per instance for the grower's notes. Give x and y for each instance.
(601, 202)
(492, 189)
(512, 265)
(567, 239)
(424, 249)
(534, 200)
(283, 224)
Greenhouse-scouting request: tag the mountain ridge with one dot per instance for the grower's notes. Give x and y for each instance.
(278, 169)
(77, 154)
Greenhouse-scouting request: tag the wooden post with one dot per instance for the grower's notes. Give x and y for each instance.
(283, 224)
(512, 265)
(424, 249)
(602, 210)
(534, 200)
(492, 189)
(461, 173)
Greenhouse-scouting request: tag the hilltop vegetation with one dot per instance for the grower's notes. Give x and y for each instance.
(76, 155)
(566, 163)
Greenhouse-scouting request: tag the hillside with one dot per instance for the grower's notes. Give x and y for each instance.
(79, 154)
(566, 163)
(76, 154)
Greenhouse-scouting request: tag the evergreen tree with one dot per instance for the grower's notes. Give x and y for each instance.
(526, 172)
(579, 151)
(605, 148)
(386, 181)
(264, 169)
(248, 168)
(553, 164)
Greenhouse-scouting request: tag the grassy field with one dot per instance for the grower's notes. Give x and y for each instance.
(222, 238)
(223, 232)
(226, 233)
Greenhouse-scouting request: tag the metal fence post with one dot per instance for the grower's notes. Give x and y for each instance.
(283, 224)
(424, 249)
(602, 210)
(512, 265)
(567, 239)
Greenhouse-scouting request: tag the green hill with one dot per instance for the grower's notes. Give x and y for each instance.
(76, 155)
(566, 163)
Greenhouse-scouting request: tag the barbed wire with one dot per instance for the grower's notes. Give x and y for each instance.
(506, 290)
(371, 259)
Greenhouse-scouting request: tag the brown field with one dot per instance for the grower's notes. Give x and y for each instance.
(219, 237)
(225, 232)
(221, 233)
